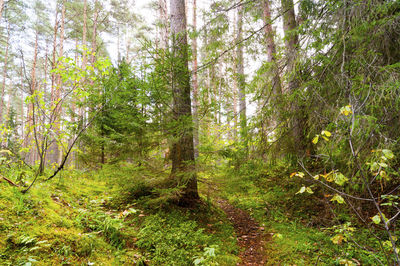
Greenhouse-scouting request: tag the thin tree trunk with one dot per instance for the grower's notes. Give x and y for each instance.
(195, 85)
(22, 101)
(58, 112)
(1, 8)
(3, 89)
(94, 35)
(84, 61)
(235, 87)
(82, 110)
(182, 153)
(30, 115)
(240, 77)
(54, 63)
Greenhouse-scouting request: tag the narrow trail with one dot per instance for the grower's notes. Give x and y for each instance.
(250, 235)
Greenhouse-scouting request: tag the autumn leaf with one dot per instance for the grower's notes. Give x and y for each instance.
(339, 199)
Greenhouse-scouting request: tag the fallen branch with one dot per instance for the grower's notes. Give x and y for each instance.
(9, 181)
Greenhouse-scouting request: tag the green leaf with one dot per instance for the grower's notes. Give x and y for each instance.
(302, 190)
(376, 219)
(384, 165)
(374, 166)
(338, 198)
(309, 190)
(388, 153)
(340, 179)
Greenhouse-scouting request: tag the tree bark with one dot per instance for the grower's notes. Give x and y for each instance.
(195, 85)
(94, 36)
(164, 32)
(240, 77)
(273, 73)
(271, 49)
(58, 111)
(182, 152)
(3, 89)
(84, 33)
(292, 43)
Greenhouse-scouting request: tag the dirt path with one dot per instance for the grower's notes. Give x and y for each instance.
(250, 235)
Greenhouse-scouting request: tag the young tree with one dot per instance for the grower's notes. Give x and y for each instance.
(182, 151)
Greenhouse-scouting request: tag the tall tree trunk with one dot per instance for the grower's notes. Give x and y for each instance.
(53, 151)
(292, 43)
(3, 89)
(195, 85)
(94, 34)
(82, 110)
(54, 55)
(182, 153)
(84, 33)
(240, 76)
(58, 111)
(235, 86)
(164, 32)
(273, 74)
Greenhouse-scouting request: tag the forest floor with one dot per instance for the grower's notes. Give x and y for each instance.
(250, 235)
(86, 218)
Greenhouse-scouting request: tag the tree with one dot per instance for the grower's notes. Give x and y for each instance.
(195, 84)
(297, 126)
(182, 152)
(240, 77)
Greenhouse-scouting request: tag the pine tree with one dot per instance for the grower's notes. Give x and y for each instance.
(182, 152)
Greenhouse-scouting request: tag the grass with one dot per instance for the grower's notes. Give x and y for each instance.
(46, 225)
(79, 218)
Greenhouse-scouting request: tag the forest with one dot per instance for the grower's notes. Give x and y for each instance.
(199, 132)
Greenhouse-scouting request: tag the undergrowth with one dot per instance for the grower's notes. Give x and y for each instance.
(112, 216)
(303, 230)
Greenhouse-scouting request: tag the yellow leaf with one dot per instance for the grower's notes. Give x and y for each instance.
(337, 239)
(346, 110)
(293, 174)
(326, 133)
(300, 174)
(315, 139)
